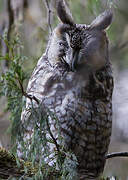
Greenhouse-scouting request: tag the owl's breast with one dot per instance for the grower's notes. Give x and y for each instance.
(84, 116)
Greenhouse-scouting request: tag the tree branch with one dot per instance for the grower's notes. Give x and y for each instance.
(48, 14)
(119, 46)
(25, 94)
(14, 10)
(117, 154)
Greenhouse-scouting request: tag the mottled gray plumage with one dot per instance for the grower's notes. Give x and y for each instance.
(74, 80)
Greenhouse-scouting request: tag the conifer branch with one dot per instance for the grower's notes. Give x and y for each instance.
(9, 167)
(37, 101)
(54, 140)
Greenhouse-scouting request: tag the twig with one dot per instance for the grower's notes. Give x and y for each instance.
(117, 154)
(119, 46)
(55, 142)
(123, 45)
(10, 18)
(25, 94)
(48, 14)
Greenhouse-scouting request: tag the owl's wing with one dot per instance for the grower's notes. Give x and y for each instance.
(35, 87)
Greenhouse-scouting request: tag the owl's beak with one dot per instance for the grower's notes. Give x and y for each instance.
(74, 59)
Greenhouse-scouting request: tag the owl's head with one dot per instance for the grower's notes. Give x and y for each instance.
(89, 44)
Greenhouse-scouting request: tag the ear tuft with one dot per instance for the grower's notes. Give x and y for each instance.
(64, 13)
(103, 20)
(61, 29)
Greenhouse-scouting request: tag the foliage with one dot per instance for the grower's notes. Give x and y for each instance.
(11, 82)
(37, 152)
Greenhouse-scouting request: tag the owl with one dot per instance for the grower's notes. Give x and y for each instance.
(73, 79)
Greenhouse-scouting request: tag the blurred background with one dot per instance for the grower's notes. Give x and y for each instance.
(31, 19)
